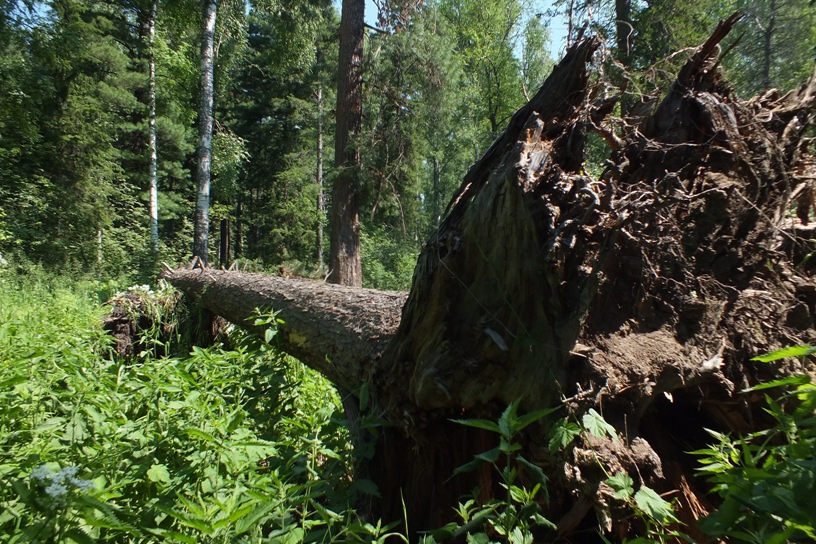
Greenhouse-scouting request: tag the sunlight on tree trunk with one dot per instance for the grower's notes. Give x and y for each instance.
(321, 198)
(205, 128)
(152, 143)
(346, 268)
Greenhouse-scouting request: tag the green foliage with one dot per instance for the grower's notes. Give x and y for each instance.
(777, 44)
(486, 36)
(72, 162)
(514, 517)
(792, 351)
(388, 263)
(767, 479)
(272, 106)
(656, 514)
(223, 445)
(597, 426)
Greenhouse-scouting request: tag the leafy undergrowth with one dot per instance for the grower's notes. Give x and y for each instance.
(242, 445)
(247, 445)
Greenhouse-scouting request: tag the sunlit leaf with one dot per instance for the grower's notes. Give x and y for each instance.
(653, 505)
(791, 351)
(158, 474)
(597, 425)
(479, 424)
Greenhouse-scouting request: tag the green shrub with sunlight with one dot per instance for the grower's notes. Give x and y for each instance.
(767, 479)
(388, 263)
(230, 446)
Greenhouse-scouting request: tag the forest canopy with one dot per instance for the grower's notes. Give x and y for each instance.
(442, 78)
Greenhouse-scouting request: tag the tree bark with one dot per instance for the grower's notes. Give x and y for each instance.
(321, 198)
(767, 45)
(624, 31)
(152, 139)
(339, 331)
(224, 243)
(205, 128)
(344, 258)
(642, 295)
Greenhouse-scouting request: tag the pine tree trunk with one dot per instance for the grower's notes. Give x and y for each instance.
(641, 295)
(224, 243)
(767, 45)
(624, 31)
(239, 227)
(205, 130)
(344, 258)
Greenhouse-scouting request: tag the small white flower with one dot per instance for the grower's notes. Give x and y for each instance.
(67, 472)
(42, 473)
(82, 485)
(56, 490)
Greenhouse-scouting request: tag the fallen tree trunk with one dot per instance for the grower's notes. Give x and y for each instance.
(339, 331)
(642, 295)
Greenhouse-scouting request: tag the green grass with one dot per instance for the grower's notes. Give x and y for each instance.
(242, 445)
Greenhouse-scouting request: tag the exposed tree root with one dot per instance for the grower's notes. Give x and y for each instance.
(642, 295)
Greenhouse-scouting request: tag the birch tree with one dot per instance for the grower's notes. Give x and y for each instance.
(205, 132)
(152, 140)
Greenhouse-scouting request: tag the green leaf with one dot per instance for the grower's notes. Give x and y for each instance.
(366, 487)
(653, 505)
(207, 437)
(11, 382)
(722, 520)
(249, 521)
(792, 351)
(241, 512)
(597, 425)
(799, 379)
(467, 467)
(533, 470)
(79, 536)
(236, 420)
(180, 537)
(158, 474)
(479, 424)
(562, 433)
(622, 483)
(363, 396)
(489, 456)
(534, 416)
(295, 536)
(508, 420)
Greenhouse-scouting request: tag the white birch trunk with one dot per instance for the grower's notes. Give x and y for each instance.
(205, 130)
(321, 202)
(152, 140)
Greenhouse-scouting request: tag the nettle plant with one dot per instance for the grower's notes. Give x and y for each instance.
(511, 518)
(239, 445)
(515, 518)
(767, 479)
